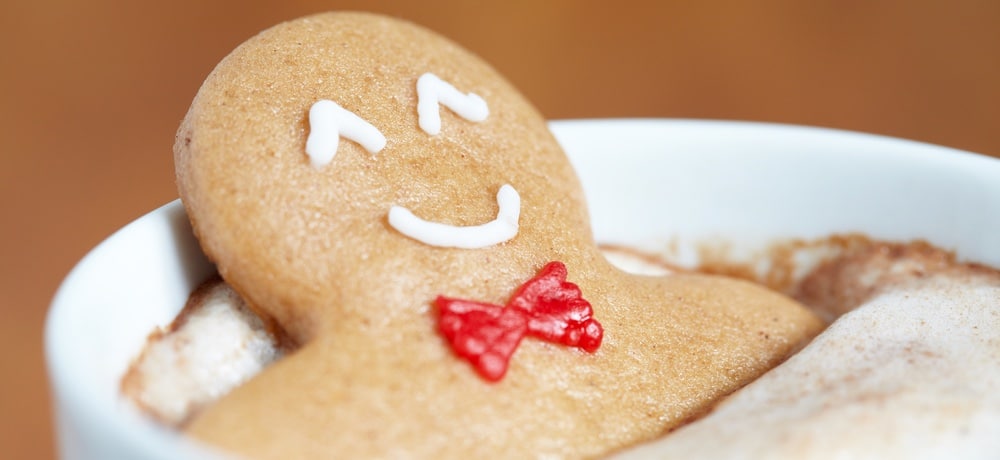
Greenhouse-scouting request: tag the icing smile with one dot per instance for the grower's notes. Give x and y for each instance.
(497, 231)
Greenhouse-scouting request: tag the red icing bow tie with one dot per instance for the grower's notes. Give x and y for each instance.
(546, 307)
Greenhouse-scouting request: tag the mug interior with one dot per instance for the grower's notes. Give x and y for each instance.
(650, 183)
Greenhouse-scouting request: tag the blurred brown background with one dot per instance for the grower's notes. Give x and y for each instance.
(93, 91)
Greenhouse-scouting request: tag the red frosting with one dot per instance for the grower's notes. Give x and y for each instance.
(546, 307)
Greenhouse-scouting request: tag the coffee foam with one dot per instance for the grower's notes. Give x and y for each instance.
(910, 372)
(215, 344)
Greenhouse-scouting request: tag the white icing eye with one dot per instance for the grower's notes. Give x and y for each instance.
(432, 90)
(501, 229)
(328, 121)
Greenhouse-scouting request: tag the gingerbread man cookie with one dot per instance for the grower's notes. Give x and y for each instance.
(403, 215)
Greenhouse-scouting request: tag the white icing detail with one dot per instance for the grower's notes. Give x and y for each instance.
(501, 229)
(432, 90)
(327, 122)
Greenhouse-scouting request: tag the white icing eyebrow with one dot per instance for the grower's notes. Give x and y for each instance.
(327, 122)
(501, 229)
(432, 90)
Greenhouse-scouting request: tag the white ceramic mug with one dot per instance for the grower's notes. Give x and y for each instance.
(649, 183)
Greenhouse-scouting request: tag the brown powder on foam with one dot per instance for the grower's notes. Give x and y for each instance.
(831, 275)
(782, 260)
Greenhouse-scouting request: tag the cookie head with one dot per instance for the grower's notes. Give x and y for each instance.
(340, 142)
(392, 204)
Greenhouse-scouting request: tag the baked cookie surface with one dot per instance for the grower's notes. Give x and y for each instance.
(309, 242)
